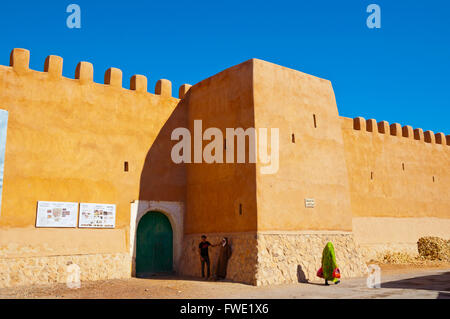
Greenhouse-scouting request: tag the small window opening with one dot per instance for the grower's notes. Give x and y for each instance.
(125, 166)
(403, 166)
(315, 121)
(371, 175)
(293, 138)
(240, 209)
(433, 179)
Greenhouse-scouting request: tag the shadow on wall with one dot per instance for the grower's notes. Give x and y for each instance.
(301, 276)
(161, 179)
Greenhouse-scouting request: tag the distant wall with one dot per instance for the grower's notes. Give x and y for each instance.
(392, 175)
(399, 184)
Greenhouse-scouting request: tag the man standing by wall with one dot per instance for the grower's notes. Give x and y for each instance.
(204, 256)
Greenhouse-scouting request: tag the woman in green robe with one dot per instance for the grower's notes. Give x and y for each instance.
(329, 264)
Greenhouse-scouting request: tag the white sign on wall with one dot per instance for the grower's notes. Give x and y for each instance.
(97, 215)
(56, 214)
(310, 202)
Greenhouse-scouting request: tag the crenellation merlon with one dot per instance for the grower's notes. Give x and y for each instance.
(19, 60)
(138, 83)
(383, 127)
(182, 91)
(164, 88)
(371, 125)
(113, 77)
(429, 137)
(84, 72)
(408, 132)
(359, 123)
(440, 138)
(418, 134)
(396, 129)
(54, 66)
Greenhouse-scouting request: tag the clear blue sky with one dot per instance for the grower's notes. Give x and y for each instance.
(399, 73)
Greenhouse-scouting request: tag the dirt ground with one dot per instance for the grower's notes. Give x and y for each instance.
(398, 281)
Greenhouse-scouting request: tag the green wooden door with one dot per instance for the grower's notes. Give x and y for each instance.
(154, 245)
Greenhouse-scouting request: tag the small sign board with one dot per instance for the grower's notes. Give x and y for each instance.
(310, 202)
(97, 215)
(56, 214)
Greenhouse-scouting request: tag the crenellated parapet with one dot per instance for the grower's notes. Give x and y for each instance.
(395, 129)
(84, 73)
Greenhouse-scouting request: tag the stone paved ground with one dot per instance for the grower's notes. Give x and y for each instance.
(397, 282)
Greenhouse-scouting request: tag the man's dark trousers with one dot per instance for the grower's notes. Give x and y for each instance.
(205, 259)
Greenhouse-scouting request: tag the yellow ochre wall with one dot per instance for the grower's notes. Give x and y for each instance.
(313, 166)
(394, 198)
(215, 191)
(396, 190)
(329, 162)
(68, 139)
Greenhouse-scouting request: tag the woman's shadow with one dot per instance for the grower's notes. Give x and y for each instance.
(301, 277)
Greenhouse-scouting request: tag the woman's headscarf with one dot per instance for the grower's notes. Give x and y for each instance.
(226, 241)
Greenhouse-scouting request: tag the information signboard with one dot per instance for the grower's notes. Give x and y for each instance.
(97, 215)
(56, 214)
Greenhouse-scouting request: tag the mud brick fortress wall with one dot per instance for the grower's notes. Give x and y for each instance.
(376, 186)
(67, 140)
(399, 181)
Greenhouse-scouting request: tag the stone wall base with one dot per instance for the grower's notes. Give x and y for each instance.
(294, 257)
(265, 258)
(46, 270)
(241, 266)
